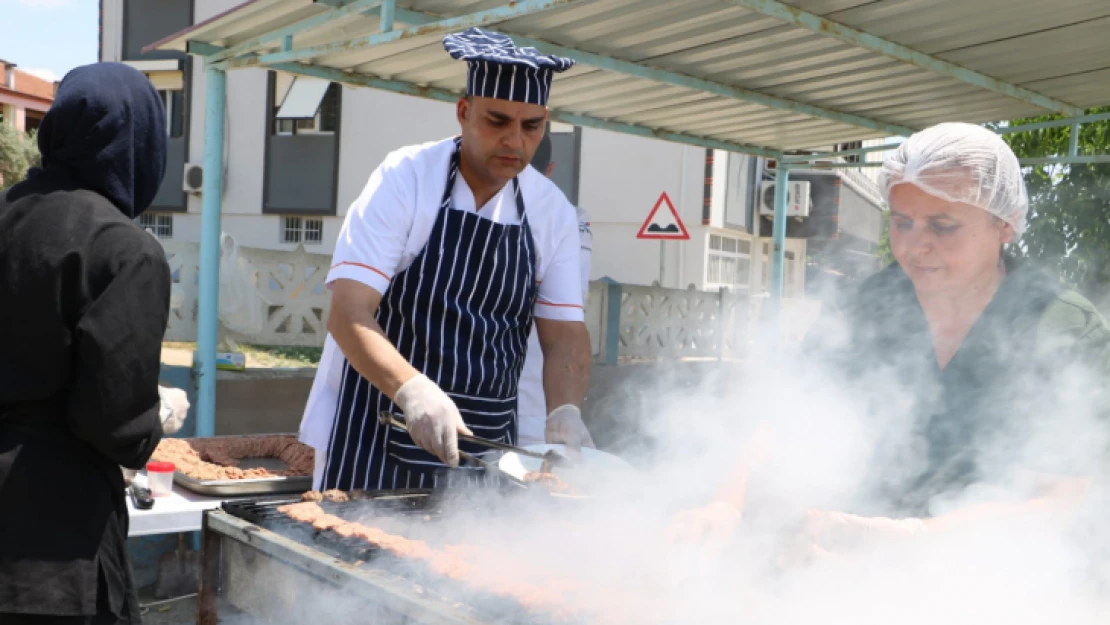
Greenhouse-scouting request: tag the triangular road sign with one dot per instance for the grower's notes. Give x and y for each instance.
(663, 225)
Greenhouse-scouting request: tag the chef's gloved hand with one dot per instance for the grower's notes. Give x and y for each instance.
(174, 408)
(565, 425)
(433, 420)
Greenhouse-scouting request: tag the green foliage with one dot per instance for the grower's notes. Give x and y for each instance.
(882, 250)
(18, 153)
(1069, 219)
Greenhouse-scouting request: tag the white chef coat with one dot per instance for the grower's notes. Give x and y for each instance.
(389, 224)
(531, 411)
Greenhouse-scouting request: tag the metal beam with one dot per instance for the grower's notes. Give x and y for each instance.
(679, 80)
(443, 95)
(503, 13)
(309, 23)
(1055, 123)
(867, 41)
(1067, 160)
(809, 158)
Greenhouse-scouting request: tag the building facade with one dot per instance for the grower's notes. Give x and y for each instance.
(24, 98)
(299, 150)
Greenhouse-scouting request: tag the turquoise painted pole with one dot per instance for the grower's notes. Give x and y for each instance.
(778, 235)
(208, 301)
(386, 18)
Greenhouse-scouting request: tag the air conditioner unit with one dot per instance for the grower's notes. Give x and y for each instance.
(797, 199)
(193, 179)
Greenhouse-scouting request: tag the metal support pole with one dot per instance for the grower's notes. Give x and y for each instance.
(212, 192)
(1073, 142)
(386, 18)
(778, 235)
(662, 251)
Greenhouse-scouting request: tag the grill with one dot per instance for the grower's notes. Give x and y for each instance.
(260, 562)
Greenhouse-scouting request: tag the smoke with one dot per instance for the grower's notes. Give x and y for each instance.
(826, 536)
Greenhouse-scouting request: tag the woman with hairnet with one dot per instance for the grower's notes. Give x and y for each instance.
(981, 347)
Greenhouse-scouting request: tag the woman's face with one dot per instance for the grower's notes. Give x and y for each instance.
(944, 246)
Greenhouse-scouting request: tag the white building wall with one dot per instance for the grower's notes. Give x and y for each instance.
(622, 177)
(111, 30)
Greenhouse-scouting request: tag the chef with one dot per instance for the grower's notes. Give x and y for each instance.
(451, 252)
(531, 403)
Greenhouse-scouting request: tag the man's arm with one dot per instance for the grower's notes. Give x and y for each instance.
(353, 325)
(566, 361)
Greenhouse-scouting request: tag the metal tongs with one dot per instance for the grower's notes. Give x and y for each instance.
(550, 458)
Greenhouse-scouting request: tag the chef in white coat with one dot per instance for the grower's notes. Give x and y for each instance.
(452, 252)
(531, 402)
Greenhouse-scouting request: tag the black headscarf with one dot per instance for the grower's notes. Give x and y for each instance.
(106, 132)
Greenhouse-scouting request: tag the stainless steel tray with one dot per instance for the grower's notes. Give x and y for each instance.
(247, 486)
(252, 486)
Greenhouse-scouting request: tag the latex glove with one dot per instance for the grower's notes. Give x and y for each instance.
(433, 420)
(716, 522)
(565, 425)
(174, 408)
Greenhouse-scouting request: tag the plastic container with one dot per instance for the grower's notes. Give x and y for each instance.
(160, 478)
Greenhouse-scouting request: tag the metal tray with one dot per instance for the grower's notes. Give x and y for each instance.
(247, 486)
(252, 486)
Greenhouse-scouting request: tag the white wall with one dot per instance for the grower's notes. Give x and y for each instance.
(375, 123)
(620, 181)
(112, 30)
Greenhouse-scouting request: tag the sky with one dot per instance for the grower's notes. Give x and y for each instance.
(49, 37)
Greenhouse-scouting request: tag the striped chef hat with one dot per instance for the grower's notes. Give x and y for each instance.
(498, 69)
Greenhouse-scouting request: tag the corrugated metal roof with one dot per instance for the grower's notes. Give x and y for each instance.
(1058, 49)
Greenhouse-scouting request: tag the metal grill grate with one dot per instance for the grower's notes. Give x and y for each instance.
(423, 505)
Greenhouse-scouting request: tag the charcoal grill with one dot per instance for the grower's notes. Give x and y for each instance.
(258, 561)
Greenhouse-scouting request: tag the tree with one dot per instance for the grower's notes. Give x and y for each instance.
(1069, 217)
(18, 153)
(882, 249)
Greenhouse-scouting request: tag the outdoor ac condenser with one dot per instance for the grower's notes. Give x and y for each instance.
(797, 199)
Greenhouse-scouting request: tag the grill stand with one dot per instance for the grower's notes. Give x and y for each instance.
(278, 579)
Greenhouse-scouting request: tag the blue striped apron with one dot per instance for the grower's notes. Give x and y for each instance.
(461, 314)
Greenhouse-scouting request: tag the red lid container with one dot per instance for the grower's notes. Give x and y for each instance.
(160, 467)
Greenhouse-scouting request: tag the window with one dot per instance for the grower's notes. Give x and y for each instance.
(304, 105)
(174, 102)
(844, 147)
(158, 224)
(302, 230)
(728, 262)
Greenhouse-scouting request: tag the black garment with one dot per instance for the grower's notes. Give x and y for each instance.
(85, 299)
(998, 383)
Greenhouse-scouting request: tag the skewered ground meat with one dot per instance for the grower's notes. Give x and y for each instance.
(550, 481)
(218, 458)
(335, 495)
(457, 562)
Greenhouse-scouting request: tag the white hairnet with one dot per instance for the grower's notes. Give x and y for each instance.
(961, 163)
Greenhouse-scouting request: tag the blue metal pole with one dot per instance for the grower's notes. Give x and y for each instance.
(778, 236)
(386, 17)
(212, 192)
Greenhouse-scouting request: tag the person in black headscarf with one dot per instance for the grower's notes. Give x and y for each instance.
(85, 300)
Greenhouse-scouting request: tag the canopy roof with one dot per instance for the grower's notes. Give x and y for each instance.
(756, 76)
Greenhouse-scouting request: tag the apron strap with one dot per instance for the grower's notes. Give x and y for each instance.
(453, 173)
